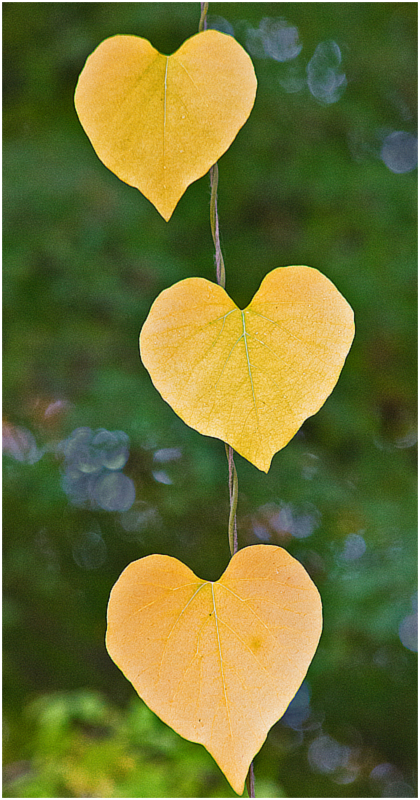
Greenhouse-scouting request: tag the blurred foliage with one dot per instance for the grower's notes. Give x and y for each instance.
(84, 257)
(83, 746)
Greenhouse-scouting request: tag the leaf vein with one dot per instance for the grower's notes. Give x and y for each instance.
(307, 344)
(221, 661)
(173, 628)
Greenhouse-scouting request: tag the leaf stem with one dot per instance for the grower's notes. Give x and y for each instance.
(233, 499)
(214, 224)
(203, 21)
(250, 782)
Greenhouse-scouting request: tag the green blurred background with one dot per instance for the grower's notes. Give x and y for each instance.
(323, 173)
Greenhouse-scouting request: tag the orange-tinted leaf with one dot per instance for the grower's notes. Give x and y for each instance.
(219, 662)
(248, 377)
(160, 122)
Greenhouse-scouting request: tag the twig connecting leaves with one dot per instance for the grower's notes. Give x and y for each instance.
(233, 499)
(202, 26)
(214, 224)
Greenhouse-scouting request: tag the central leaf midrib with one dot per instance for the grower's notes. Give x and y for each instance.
(165, 89)
(222, 673)
(249, 365)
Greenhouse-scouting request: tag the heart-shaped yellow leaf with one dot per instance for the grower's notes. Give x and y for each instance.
(248, 377)
(218, 662)
(160, 122)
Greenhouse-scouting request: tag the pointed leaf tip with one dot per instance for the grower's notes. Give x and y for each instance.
(160, 122)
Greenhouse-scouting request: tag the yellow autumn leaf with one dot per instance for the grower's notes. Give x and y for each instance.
(217, 661)
(160, 122)
(248, 377)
